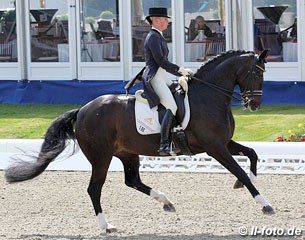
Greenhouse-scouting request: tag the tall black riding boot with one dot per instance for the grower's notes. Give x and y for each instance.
(165, 143)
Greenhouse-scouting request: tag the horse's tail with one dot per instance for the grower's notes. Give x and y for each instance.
(54, 143)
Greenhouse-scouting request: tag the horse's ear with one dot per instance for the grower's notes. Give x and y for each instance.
(263, 55)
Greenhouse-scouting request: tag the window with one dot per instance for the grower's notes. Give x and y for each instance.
(204, 23)
(49, 30)
(140, 27)
(8, 34)
(275, 28)
(100, 31)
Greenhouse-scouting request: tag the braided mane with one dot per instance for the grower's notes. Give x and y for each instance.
(209, 66)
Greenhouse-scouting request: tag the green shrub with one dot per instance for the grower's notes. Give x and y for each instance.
(90, 20)
(106, 15)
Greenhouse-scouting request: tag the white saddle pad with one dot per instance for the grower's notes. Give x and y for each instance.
(147, 119)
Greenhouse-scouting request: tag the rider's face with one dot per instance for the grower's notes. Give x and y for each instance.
(161, 23)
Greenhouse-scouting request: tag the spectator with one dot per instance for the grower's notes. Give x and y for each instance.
(199, 25)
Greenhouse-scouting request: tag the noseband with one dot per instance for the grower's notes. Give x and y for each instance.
(249, 94)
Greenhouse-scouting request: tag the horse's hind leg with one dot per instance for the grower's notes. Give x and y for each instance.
(223, 156)
(238, 149)
(98, 177)
(132, 179)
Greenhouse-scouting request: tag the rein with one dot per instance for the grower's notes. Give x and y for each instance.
(222, 90)
(240, 97)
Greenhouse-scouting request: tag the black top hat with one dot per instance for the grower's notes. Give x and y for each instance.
(156, 12)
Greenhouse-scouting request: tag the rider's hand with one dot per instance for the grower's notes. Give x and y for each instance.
(185, 72)
(183, 83)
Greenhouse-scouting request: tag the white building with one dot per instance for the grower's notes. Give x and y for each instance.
(70, 51)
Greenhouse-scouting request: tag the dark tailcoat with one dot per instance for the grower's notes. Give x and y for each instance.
(156, 54)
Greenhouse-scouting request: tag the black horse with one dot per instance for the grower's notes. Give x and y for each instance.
(105, 127)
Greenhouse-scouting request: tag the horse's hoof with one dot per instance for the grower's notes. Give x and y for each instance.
(169, 207)
(238, 184)
(268, 210)
(111, 230)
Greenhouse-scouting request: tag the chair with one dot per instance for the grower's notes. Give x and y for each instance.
(190, 29)
(213, 46)
(104, 29)
(6, 52)
(115, 57)
(64, 24)
(266, 37)
(44, 48)
(213, 24)
(271, 41)
(139, 34)
(264, 26)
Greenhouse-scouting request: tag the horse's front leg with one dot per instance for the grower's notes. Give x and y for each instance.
(223, 156)
(132, 179)
(238, 149)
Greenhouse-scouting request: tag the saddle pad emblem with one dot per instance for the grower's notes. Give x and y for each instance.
(147, 119)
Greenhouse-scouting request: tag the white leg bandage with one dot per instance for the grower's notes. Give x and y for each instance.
(260, 199)
(103, 223)
(159, 196)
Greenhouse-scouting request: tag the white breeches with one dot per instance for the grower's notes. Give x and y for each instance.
(160, 84)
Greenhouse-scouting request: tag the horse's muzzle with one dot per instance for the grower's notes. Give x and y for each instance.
(254, 106)
(252, 99)
(251, 105)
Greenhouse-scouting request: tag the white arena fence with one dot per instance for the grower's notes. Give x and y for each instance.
(274, 158)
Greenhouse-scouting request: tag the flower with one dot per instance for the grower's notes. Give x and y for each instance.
(298, 136)
(280, 139)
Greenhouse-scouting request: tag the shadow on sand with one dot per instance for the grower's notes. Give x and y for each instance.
(135, 237)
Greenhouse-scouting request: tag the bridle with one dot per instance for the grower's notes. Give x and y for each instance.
(244, 97)
(248, 95)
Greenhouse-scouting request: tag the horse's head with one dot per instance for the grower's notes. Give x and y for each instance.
(242, 68)
(250, 79)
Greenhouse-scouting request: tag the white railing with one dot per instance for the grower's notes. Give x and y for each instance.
(275, 164)
(274, 157)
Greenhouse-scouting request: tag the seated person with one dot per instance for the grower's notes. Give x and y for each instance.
(199, 25)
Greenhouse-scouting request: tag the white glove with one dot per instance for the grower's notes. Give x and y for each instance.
(183, 83)
(185, 72)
